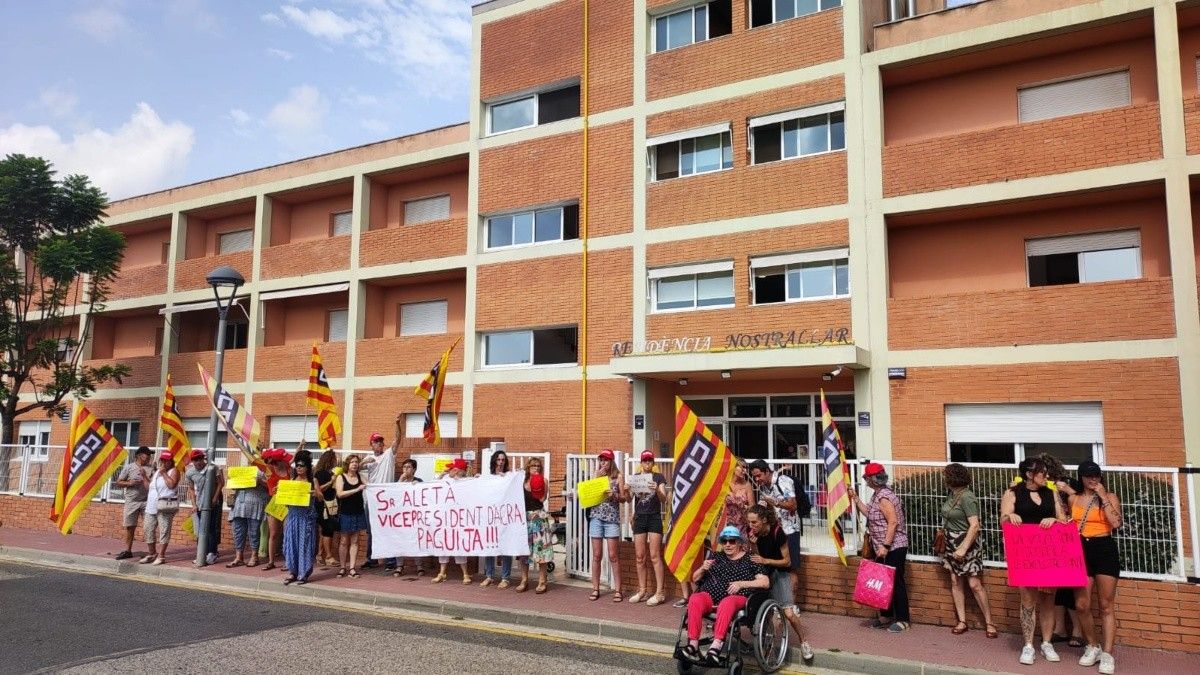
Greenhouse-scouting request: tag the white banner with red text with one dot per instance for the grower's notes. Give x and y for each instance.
(481, 516)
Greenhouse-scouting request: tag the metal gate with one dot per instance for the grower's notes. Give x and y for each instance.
(579, 549)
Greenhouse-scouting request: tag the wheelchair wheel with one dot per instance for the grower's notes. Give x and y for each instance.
(735, 668)
(771, 640)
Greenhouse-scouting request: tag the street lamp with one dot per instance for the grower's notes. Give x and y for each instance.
(225, 281)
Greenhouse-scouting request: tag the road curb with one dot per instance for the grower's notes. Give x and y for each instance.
(351, 598)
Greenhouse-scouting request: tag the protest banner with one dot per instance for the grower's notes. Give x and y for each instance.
(1047, 558)
(293, 492)
(241, 477)
(482, 516)
(592, 492)
(275, 509)
(641, 484)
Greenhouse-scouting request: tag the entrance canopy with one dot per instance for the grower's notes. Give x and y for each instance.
(768, 362)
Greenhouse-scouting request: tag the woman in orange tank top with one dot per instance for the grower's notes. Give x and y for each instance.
(1097, 512)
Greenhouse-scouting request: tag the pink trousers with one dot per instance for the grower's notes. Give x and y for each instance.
(701, 603)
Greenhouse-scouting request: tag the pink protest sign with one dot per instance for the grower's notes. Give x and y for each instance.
(1049, 558)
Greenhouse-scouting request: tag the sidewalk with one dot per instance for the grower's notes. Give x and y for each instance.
(841, 642)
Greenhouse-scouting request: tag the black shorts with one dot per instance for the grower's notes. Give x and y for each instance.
(1101, 556)
(645, 523)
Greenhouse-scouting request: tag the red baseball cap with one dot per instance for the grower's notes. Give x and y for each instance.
(647, 456)
(459, 463)
(376, 437)
(873, 468)
(196, 454)
(606, 454)
(166, 454)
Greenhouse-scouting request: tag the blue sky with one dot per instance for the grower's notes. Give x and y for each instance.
(142, 95)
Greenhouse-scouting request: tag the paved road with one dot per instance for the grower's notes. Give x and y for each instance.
(80, 623)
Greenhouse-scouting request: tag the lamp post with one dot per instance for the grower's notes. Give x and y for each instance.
(223, 280)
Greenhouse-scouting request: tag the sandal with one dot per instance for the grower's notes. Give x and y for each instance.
(522, 586)
(617, 597)
(354, 574)
(235, 563)
(253, 562)
(898, 627)
(656, 600)
(397, 573)
(1076, 642)
(594, 595)
(991, 633)
(541, 588)
(712, 658)
(303, 581)
(341, 573)
(690, 653)
(289, 581)
(269, 566)
(959, 628)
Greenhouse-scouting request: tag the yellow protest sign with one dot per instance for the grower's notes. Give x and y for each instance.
(440, 466)
(241, 477)
(275, 509)
(293, 492)
(189, 526)
(592, 492)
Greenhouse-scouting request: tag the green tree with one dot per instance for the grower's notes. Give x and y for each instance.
(57, 266)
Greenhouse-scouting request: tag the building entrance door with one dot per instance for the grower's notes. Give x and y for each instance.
(749, 440)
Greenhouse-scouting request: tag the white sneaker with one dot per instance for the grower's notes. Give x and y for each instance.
(210, 558)
(806, 652)
(1108, 665)
(1091, 654)
(1027, 655)
(1049, 653)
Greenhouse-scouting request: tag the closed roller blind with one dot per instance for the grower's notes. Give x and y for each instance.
(337, 325)
(427, 210)
(341, 223)
(1079, 243)
(230, 242)
(423, 318)
(1025, 423)
(289, 429)
(1070, 97)
(414, 425)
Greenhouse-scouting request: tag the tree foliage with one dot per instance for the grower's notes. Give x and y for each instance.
(57, 267)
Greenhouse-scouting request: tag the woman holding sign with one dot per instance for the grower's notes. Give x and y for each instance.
(299, 541)
(648, 490)
(1031, 501)
(249, 504)
(1097, 512)
(604, 525)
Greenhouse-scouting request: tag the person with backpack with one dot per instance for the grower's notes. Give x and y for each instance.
(778, 491)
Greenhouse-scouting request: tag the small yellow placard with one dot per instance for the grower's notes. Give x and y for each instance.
(241, 477)
(293, 493)
(275, 509)
(592, 492)
(440, 466)
(189, 526)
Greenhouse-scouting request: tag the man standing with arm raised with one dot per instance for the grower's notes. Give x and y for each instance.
(381, 468)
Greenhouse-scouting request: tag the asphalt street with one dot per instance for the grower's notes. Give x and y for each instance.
(62, 621)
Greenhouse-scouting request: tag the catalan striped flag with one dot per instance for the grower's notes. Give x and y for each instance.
(837, 478)
(703, 474)
(242, 426)
(430, 389)
(171, 424)
(329, 425)
(93, 455)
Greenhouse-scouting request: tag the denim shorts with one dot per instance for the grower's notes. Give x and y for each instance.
(348, 523)
(599, 529)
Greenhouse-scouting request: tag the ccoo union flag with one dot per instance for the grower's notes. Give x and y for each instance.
(92, 457)
(430, 389)
(703, 473)
(837, 480)
(329, 425)
(242, 426)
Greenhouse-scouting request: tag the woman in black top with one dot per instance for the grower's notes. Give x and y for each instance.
(352, 512)
(1031, 502)
(327, 522)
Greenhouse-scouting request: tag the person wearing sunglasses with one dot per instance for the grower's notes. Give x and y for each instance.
(726, 579)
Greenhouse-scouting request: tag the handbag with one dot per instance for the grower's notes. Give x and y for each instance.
(874, 584)
(167, 505)
(331, 508)
(939, 542)
(867, 553)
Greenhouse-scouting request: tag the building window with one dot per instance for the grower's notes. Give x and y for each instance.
(237, 335)
(1071, 97)
(287, 431)
(427, 210)
(533, 110)
(336, 325)
(705, 286)
(690, 152)
(812, 275)
(232, 242)
(414, 425)
(197, 433)
(1084, 258)
(694, 24)
(558, 223)
(339, 223)
(166, 252)
(799, 133)
(35, 438)
(125, 431)
(538, 347)
(423, 318)
(763, 12)
(1006, 433)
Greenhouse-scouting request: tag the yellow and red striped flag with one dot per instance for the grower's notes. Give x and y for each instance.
(92, 457)
(837, 478)
(171, 424)
(703, 474)
(431, 390)
(319, 396)
(242, 427)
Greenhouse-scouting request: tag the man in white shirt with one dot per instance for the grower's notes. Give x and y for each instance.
(381, 468)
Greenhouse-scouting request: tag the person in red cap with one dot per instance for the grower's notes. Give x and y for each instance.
(648, 491)
(604, 524)
(381, 468)
(456, 471)
(197, 476)
(162, 503)
(889, 542)
(539, 525)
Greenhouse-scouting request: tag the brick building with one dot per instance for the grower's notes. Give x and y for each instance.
(970, 222)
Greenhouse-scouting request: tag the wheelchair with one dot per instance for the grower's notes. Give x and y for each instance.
(759, 629)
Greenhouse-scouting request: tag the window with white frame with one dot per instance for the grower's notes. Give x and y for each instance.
(811, 131)
(414, 425)
(558, 223)
(533, 109)
(232, 242)
(197, 434)
(1007, 433)
(288, 430)
(1073, 96)
(35, 436)
(340, 223)
(1084, 258)
(423, 318)
(534, 347)
(693, 24)
(125, 431)
(764, 12)
(426, 210)
(336, 328)
(793, 277)
(688, 287)
(692, 152)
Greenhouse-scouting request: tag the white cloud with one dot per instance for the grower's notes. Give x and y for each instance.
(104, 22)
(282, 54)
(271, 19)
(298, 120)
(142, 155)
(321, 23)
(244, 124)
(58, 102)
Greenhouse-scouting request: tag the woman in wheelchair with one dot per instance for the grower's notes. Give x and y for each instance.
(725, 581)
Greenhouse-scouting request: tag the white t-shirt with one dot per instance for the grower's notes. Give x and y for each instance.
(383, 469)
